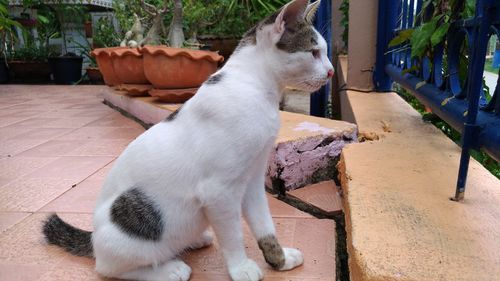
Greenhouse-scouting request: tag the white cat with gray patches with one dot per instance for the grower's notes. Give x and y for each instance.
(205, 164)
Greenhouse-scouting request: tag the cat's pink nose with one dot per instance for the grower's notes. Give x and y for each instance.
(330, 73)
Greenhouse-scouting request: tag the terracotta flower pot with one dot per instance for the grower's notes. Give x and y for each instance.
(173, 95)
(135, 90)
(95, 75)
(104, 61)
(174, 68)
(128, 65)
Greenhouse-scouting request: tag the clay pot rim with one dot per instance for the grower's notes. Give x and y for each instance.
(126, 52)
(173, 52)
(134, 87)
(176, 90)
(106, 51)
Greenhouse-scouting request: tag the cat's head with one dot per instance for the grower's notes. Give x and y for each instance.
(293, 47)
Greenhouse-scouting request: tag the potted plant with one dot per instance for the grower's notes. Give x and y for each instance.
(105, 35)
(176, 72)
(92, 70)
(29, 64)
(220, 24)
(104, 40)
(94, 74)
(119, 60)
(178, 68)
(4, 71)
(67, 67)
(173, 69)
(7, 37)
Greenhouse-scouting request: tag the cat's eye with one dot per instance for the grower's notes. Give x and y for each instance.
(315, 53)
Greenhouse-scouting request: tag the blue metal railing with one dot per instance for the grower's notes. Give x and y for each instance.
(323, 23)
(436, 82)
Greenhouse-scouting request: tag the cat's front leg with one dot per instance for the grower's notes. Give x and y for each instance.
(257, 214)
(225, 218)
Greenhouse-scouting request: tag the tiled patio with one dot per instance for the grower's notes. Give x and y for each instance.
(56, 146)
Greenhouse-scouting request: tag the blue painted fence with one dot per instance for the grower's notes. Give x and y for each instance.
(496, 59)
(460, 102)
(323, 23)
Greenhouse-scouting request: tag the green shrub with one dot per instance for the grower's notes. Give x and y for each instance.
(224, 18)
(105, 34)
(30, 53)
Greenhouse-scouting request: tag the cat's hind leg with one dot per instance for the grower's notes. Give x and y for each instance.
(206, 239)
(173, 270)
(121, 248)
(131, 260)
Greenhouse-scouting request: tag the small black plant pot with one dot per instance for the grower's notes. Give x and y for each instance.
(4, 72)
(67, 69)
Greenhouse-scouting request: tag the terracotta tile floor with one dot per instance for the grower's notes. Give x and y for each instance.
(323, 195)
(56, 145)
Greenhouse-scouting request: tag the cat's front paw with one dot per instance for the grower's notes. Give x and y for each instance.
(177, 270)
(293, 258)
(247, 271)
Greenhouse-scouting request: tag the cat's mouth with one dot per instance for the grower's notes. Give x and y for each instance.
(314, 85)
(309, 85)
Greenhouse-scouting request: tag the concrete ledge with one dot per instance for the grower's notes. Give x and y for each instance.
(146, 109)
(400, 222)
(307, 147)
(307, 150)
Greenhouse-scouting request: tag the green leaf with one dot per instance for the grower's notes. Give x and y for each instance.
(420, 85)
(440, 33)
(402, 37)
(8, 22)
(43, 19)
(446, 100)
(414, 68)
(3, 10)
(421, 37)
(486, 89)
(425, 5)
(470, 9)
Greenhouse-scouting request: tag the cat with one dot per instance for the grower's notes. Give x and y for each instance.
(204, 166)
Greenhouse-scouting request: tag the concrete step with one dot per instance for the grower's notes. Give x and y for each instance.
(324, 195)
(307, 147)
(400, 222)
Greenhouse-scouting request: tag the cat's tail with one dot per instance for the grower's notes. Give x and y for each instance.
(74, 240)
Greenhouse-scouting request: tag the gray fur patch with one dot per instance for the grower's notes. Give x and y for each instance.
(74, 240)
(137, 215)
(273, 253)
(300, 38)
(172, 115)
(214, 79)
(249, 38)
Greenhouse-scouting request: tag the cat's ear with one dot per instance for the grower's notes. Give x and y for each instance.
(290, 13)
(311, 11)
